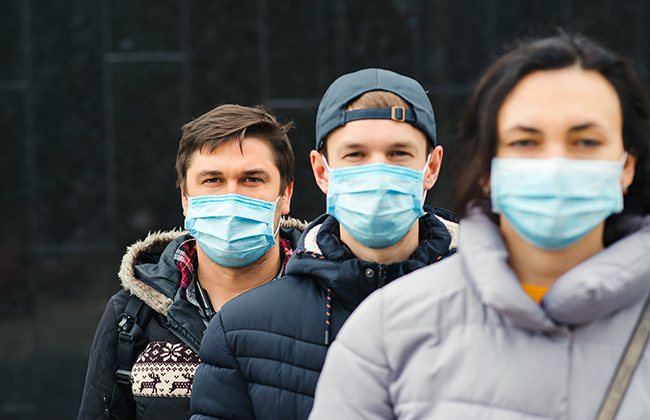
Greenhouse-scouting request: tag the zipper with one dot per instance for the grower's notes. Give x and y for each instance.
(381, 275)
(204, 302)
(183, 339)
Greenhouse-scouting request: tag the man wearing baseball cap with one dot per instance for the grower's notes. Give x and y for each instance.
(376, 157)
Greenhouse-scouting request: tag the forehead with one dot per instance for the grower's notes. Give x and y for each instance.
(376, 134)
(553, 97)
(233, 155)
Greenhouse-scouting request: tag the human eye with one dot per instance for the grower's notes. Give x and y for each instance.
(212, 180)
(522, 143)
(400, 156)
(588, 143)
(400, 153)
(353, 156)
(252, 180)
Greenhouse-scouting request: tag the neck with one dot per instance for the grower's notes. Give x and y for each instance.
(225, 283)
(399, 251)
(539, 267)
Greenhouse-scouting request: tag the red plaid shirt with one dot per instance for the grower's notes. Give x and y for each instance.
(185, 259)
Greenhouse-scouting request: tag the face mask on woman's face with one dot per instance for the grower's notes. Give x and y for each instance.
(552, 203)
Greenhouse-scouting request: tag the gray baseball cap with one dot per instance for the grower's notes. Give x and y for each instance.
(332, 114)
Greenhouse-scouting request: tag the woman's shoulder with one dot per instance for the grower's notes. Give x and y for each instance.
(429, 284)
(434, 295)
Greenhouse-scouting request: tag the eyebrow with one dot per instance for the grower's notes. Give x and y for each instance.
(526, 129)
(258, 172)
(209, 173)
(572, 129)
(352, 145)
(584, 127)
(396, 144)
(404, 144)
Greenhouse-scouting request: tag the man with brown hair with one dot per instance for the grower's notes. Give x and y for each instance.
(375, 158)
(235, 173)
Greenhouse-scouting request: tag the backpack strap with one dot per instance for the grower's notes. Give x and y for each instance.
(130, 327)
(131, 340)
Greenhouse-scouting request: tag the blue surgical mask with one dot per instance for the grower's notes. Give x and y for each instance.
(231, 229)
(377, 203)
(552, 203)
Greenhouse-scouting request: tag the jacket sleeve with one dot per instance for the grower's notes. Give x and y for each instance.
(102, 365)
(355, 378)
(219, 390)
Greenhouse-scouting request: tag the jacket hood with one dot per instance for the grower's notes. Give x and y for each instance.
(148, 270)
(323, 256)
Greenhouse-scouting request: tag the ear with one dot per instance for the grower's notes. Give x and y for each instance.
(321, 174)
(484, 183)
(433, 168)
(286, 199)
(184, 203)
(628, 172)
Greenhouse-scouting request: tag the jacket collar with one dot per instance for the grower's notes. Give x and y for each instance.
(148, 269)
(322, 255)
(609, 281)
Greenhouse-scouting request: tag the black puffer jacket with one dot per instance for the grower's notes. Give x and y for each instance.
(162, 375)
(263, 352)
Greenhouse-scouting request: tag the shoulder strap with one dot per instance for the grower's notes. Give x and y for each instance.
(131, 339)
(626, 366)
(130, 327)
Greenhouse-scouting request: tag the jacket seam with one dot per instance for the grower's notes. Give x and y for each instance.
(483, 404)
(281, 389)
(275, 360)
(272, 333)
(382, 330)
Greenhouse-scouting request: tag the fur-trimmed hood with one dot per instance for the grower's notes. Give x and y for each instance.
(148, 270)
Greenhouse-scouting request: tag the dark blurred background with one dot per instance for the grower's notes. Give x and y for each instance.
(93, 95)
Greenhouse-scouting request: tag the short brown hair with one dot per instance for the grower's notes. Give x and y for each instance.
(378, 99)
(375, 99)
(229, 122)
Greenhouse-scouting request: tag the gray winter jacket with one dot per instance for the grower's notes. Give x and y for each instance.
(461, 340)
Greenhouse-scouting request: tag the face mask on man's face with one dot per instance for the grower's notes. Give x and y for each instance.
(231, 229)
(553, 203)
(377, 203)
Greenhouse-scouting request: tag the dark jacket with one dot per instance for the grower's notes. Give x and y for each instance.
(263, 352)
(163, 374)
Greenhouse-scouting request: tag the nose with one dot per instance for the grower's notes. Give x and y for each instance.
(232, 188)
(555, 150)
(379, 158)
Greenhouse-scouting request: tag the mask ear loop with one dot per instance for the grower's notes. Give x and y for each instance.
(189, 202)
(275, 206)
(326, 165)
(424, 172)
